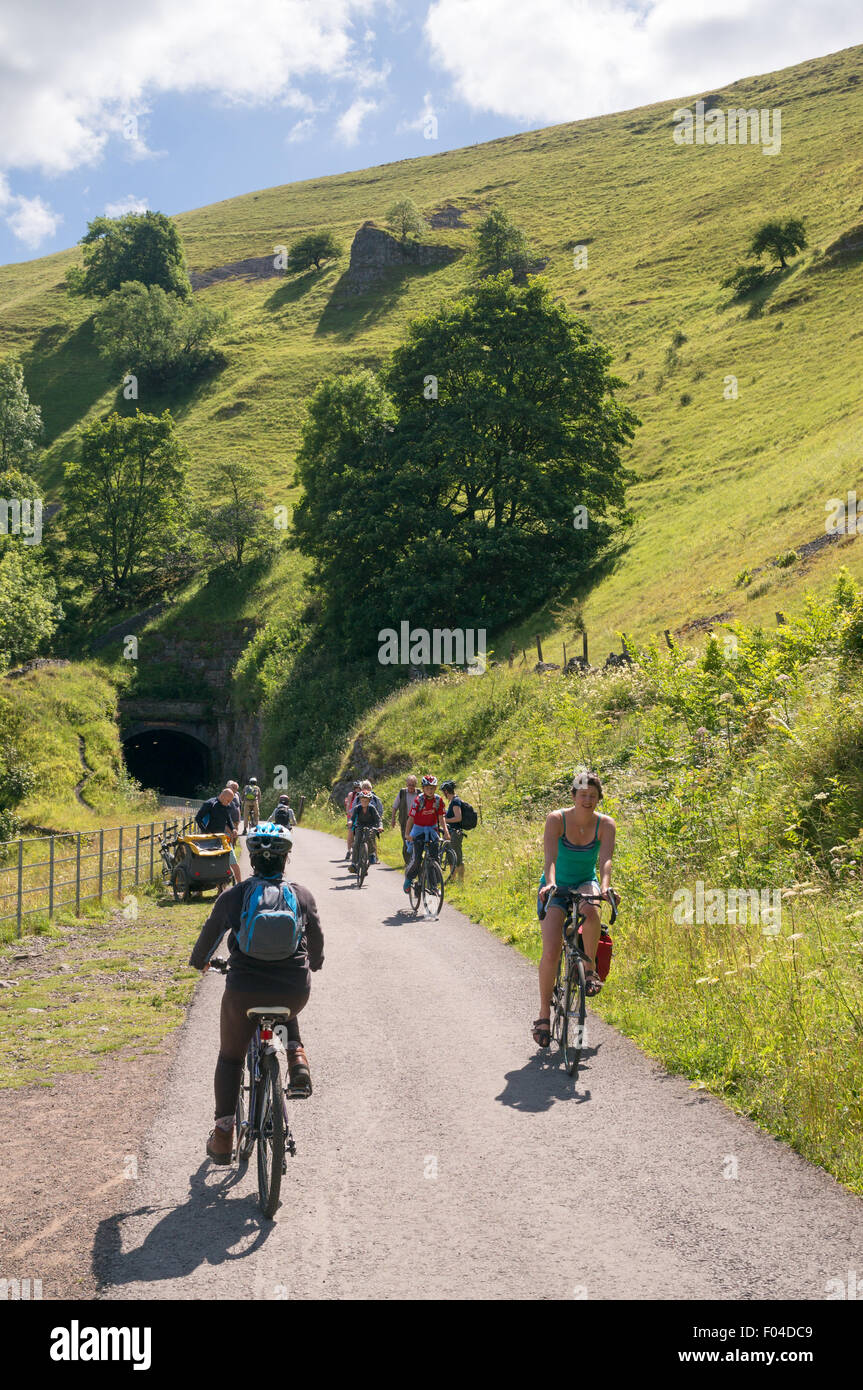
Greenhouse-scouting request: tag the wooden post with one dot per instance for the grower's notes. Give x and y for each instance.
(137, 851)
(584, 645)
(78, 877)
(20, 882)
(668, 638)
(512, 654)
(101, 860)
(300, 809)
(564, 656)
(120, 864)
(51, 878)
(523, 657)
(152, 846)
(538, 647)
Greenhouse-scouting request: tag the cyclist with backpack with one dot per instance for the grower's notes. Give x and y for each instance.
(460, 817)
(365, 815)
(425, 825)
(274, 941)
(251, 803)
(284, 813)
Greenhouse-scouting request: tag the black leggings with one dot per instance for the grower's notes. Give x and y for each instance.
(417, 847)
(236, 1031)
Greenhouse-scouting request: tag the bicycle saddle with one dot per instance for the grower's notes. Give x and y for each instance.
(269, 1011)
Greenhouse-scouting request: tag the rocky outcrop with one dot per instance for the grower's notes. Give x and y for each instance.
(374, 252)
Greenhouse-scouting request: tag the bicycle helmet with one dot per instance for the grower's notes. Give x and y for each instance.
(429, 780)
(448, 787)
(253, 781)
(271, 840)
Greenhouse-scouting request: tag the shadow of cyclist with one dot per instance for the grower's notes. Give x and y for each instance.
(207, 1229)
(543, 1080)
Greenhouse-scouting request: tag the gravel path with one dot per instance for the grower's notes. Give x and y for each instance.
(440, 1157)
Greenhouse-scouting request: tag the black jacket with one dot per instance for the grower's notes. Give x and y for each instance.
(245, 972)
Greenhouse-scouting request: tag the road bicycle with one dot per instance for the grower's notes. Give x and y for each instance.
(365, 848)
(427, 887)
(569, 997)
(449, 857)
(262, 1112)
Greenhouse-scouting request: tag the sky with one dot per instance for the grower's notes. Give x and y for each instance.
(173, 104)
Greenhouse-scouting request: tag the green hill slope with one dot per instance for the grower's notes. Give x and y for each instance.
(723, 484)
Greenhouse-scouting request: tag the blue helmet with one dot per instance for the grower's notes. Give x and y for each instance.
(271, 840)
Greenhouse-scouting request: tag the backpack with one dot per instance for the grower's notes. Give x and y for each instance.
(282, 815)
(468, 816)
(270, 921)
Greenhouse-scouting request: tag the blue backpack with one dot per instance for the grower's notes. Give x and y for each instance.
(270, 921)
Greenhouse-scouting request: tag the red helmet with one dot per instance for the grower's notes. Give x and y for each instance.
(429, 780)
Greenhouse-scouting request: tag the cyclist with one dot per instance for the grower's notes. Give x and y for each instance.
(251, 803)
(425, 824)
(252, 982)
(365, 814)
(453, 820)
(350, 803)
(284, 813)
(579, 843)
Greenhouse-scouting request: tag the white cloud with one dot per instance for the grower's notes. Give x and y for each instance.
(419, 122)
(32, 221)
(130, 203)
(348, 124)
(68, 73)
(301, 131)
(562, 60)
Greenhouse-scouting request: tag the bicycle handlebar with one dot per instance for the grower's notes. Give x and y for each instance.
(613, 899)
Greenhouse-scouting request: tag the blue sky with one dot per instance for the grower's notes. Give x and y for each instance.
(178, 103)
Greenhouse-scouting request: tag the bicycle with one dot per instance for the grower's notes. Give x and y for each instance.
(569, 996)
(427, 887)
(262, 1112)
(364, 851)
(449, 857)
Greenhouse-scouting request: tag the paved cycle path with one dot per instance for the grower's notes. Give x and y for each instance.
(441, 1157)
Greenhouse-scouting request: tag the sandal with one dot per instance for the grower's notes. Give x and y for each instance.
(592, 983)
(542, 1032)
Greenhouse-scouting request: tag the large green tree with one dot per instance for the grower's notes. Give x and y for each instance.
(313, 249)
(482, 473)
(142, 329)
(125, 500)
(20, 422)
(234, 519)
(779, 238)
(142, 246)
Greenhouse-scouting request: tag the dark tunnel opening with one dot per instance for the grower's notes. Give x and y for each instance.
(168, 761)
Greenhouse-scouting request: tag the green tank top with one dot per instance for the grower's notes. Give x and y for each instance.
(576, 864)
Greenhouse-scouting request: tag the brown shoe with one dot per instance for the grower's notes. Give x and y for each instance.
(220, 1145)
(300, 1078)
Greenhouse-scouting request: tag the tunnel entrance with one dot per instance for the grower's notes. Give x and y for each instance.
(170, 762)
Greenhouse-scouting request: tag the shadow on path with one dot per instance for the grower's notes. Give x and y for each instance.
(542, 1081)
(207, 1229)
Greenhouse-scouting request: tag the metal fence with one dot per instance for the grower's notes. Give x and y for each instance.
(81, 866)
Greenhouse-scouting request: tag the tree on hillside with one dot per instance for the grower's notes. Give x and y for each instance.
(234, 521)
(405, 219)
(779, 240)
(313, 249)
(20, 422)
(142, 329)
(29, 611)
(464, 504)
(138, 246)
(125, 500)
(500, 245)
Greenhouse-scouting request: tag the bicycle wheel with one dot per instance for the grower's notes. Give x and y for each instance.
(271, 1135)
(433, 888)
(362, 862)
(244, 1128)
(575, 1012)
(449, 860)
(558, 995)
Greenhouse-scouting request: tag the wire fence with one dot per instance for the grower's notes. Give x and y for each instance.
(81, 866)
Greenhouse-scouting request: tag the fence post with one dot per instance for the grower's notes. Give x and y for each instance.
(564, 656)
(538, 648)
(20, 882)
(668, 639)
(584, 645)
(137, 851)
(152, 846)
(512, 654)
(78, 877)
(120, 863)
(51, 878)
(101, 861)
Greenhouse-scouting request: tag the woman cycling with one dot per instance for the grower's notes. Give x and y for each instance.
(579, 843)
(252, 981)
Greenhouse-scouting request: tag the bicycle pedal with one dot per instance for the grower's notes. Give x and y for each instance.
(297, 1094)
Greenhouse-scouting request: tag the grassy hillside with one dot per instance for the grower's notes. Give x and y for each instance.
(723, 485)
